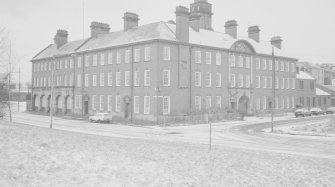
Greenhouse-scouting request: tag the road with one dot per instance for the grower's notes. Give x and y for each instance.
(243, 135)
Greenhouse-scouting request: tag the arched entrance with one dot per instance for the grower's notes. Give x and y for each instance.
(35, 103)
(68, 105)
(59, 104)
(127, 107)
(43, 103)
(48, 105)
(243, 104)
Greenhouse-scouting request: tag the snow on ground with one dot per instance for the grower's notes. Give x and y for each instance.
(34, 156)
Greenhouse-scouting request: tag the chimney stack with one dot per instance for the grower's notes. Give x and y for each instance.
(231, 28)
(99, 28)
(182, 24)
(60, 38)
(253, 32)
(276, 41)
(130, 20)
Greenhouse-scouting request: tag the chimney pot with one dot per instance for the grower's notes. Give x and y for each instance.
(254, 33)
(130, 20)
(231, 28)
(61, 38)
(277, 41)
(99, 28)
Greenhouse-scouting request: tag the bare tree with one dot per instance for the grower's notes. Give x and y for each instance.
(4, 88)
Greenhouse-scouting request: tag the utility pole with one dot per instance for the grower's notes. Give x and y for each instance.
(9, 77)
(19, 98)
(273, 89)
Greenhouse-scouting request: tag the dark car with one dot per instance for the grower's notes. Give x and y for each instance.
(317, 111)
(302, 112)
(331, 110)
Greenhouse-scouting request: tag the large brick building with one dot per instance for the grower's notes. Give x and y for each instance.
(164, 70)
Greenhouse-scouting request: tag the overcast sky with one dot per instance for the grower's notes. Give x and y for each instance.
(306, 26)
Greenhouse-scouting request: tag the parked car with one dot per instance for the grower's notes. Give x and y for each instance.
(302, 112)
(317, 111)
(331, 110)
(101, 117)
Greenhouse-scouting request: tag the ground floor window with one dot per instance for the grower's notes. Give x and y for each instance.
(110, 98)
(198, 103)
(136, 104)
(146, 104)
(118, 103)
(166, 105)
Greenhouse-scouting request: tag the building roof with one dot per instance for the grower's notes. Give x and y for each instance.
(159, 30)
(320, 92)
(304, 75)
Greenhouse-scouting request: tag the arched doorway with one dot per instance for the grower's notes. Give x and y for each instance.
(48, 105)
(243, 104)
(68, 105)
(127, 107)
(59, 104)
(35, 103)
(43, 103)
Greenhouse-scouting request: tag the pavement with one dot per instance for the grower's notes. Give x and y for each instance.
(248, 134)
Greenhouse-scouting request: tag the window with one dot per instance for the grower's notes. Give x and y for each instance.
(258, 81)
(146, 77)
(292, 67)
(240, 61)
(240, 81)
(270, 82)
(127, 56)
(136, 78)
(136, 104)
(79, 80)
(166, 55)
(61, 65)
(146, 104)
(70, 80)
(287, 67)
(283, 83)
(312, 85)
(218, 58)
(270, 64)
(147, 54)
(287, 83)
(293, 83)
(94, 83)
(293, 101)
(80, 62)
(166, 105)
(282, 102)
(277, 102)
(101, 103)
(247, 62)
(218, 101)
(118, 78)
(264, 82)
(71, 63)
(277, 83)
(118, 57)
(233, 80)
(247, 81)
(301, 84)
(65, 80)
(110, 79)
(208, 79)
(282, 66)
(208, 102)
(102, 79)
(288, 102)
(218, 80)
(86, 80)
(126, 78)
(118, 103)
(232, 60)
(264, 103)
(102, 59)
(93, 102)
(264, 64)
(258, 63)
(166, 77)
(87, 61)
(66, 64)
(208, 58)
(258, 103)
(198, 79)
(197, 103)
(110, 102)
(197, 56)
(95, 60)
(276, 65)
(110, 58)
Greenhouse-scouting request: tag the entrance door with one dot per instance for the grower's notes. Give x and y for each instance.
(85, 108)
